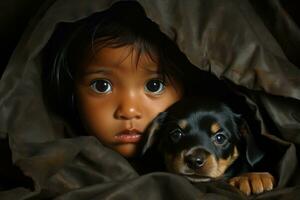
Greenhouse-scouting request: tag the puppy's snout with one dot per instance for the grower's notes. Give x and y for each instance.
(194, 161)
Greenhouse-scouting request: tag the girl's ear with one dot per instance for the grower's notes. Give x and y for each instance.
(253, 153)
(152, 130)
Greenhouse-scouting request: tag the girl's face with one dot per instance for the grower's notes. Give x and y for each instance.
(118, 95)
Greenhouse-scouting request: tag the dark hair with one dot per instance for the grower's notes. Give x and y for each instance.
(125, 23)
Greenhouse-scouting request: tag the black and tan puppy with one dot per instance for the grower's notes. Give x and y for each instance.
(202, 139)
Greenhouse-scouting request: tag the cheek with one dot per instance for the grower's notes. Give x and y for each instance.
(170, 98)
(96, 118)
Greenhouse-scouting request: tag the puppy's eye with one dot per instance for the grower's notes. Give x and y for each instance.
(176, 135)
(220, 138)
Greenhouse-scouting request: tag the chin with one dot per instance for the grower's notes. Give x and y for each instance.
(128, 150)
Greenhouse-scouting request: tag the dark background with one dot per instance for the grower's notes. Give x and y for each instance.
(15, 16)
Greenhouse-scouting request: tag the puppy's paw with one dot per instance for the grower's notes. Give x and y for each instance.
(253, 183)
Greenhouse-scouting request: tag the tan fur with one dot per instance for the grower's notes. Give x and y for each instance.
(174, 164)
(215, 127)
(212, 167)
(223, 164)
(253, 182)
(209, 167)
(182, 124)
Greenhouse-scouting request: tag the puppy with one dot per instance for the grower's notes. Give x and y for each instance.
(202, 139)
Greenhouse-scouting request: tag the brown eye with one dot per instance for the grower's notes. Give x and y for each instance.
(155, 86)
(176, 135)
(220, 139)
(101, 86)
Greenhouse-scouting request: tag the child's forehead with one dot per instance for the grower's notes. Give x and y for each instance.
(119, 55)
(112, 57)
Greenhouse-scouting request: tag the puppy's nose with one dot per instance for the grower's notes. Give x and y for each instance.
(194, 161)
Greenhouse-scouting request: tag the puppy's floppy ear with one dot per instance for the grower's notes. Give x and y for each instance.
(253, 153)
(152, 129)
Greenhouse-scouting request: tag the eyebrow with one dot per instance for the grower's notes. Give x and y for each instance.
(96, 70)
(151, 70)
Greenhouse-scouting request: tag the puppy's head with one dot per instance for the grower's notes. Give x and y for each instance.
(198, 138)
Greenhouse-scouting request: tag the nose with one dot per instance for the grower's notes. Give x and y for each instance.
(128, 107)
(195, 158)
(194, 161)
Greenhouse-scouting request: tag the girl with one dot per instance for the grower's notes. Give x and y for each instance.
(113, 74)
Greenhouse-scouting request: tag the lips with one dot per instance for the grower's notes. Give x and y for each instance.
(129, 136)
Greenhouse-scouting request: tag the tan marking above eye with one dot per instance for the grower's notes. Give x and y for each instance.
(215, 127)
(183, 123)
